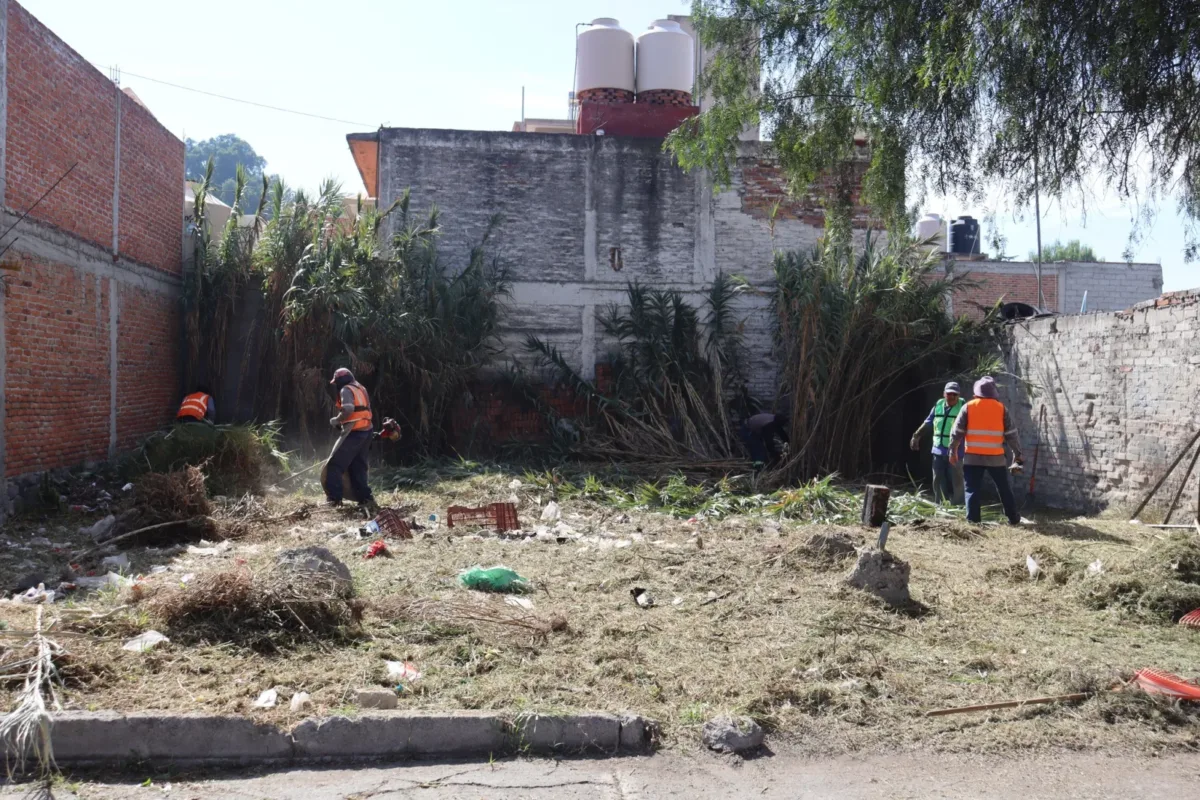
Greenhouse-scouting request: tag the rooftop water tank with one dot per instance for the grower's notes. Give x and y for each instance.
(932, 226)
(604, 63)
(964, 236)
(666, 60)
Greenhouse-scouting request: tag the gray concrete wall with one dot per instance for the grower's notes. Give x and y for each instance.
(583, 216)
(1120, 396)
(1109, 286)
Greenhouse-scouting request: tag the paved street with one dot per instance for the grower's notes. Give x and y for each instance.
(695, 777)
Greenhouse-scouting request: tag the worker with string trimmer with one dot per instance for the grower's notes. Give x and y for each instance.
(349, 456)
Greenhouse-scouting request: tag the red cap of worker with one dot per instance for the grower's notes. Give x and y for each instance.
(342, 372)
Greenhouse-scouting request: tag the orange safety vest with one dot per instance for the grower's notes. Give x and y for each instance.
(361, 417)
(985, 427)
(195, 406)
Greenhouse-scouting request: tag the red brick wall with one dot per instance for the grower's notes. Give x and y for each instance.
(766, 192)
(151, 223)
(147, 363)
(57, 392)
(60, 111)
(988, 288)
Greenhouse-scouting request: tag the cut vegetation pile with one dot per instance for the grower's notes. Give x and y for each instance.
(171, 496)
(235, 459)
(1161, 583)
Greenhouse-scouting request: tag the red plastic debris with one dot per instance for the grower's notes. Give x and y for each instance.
(501, 516)
(1155, 682)
(377, 548)
(392, 524)
(1191, 620)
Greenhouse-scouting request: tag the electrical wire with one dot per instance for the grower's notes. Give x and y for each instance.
(124, 71)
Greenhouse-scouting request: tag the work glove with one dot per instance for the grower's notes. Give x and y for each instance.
(335, 423)
(914, 443)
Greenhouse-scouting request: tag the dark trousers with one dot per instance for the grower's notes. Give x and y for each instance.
(761, 446)
(973, 477)
(945, 481)
(352, 456)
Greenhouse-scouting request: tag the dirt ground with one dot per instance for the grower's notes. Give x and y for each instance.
(746, 619)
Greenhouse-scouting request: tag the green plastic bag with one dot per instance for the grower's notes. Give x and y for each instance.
(495, 579)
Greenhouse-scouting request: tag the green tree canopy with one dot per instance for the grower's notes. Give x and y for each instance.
(227, 151)
(957, 95)
(1073, 250)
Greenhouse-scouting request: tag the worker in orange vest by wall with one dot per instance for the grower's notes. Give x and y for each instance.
(354, 420)
(198, 407)
(983, 428)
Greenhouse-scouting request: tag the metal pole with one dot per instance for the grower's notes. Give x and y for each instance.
(1037, 206)
(524, 127)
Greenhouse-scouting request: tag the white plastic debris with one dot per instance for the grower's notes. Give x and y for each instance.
(678, 601)
(267, 699)
(146, 641)
(101, 530)
(301, 701)
(208, 548)
(519, 602)
(118, 562)
(403, 672)
(1035, 569)
(35, 595)
(515, 484)
(1096, 567)
(127, 487)
(551, 513)
(101, 581)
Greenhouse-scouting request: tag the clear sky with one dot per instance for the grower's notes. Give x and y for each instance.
(410, 63)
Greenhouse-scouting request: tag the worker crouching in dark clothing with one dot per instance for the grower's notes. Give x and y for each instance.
(350, 455)
(760, 433)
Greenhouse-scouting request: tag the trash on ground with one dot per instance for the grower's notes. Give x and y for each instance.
(377, 548)
(389, 522)
(732, 734)
(493, 579)
(501, 516)
(119, 562)
(1035, 569)
(678, 601)
(35, 595)
(551, 513)
(642, 597)
(301, 701)
(90, 582)
(519, 602)
(101, 530)
(403, 671)
(1191, 620)
(127, 487)
(384, 699)
(208, 548)
(1096, 567)
(267, 699)
(1155, 682)
(144, 642)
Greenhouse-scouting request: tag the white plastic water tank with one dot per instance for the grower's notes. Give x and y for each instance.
(931, 226)
(604, 57)
(666, 58)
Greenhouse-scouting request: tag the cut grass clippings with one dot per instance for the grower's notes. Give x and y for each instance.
(751, 616)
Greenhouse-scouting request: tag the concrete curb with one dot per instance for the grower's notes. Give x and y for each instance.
(109, 737)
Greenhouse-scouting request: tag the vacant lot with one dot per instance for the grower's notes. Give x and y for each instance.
(747, 617)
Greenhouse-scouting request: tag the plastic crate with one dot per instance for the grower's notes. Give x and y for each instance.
(501, 516)
(392, 524)
(1191, 620)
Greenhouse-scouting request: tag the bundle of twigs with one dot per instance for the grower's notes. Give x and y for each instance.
(465, 613)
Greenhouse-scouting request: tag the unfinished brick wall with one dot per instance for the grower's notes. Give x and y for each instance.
(987, 288)
(1120, 396)
(57, 377)
(66, 366)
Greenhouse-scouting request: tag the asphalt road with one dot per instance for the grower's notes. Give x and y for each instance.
(698, 776)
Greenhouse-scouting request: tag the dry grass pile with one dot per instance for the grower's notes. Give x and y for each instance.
(236, 459)
(262, 612)
(1161, 583)
(171, 496)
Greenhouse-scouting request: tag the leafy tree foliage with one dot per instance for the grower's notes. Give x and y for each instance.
(227, 152)
(957, 95)
(1071, 251)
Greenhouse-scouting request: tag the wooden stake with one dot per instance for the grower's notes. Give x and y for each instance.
(1036, 701)
(875, 505)
(1182, 486)
(1154, 489)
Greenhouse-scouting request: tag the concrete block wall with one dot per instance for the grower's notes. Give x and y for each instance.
(1109, 286)
(1119, 391)
(89, 321)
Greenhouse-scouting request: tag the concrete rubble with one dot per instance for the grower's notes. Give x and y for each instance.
(881, 574)
(732, 734)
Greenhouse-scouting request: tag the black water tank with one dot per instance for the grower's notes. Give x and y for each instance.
(964, 236)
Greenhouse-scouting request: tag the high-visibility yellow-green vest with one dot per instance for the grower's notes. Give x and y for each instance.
(943, 421)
